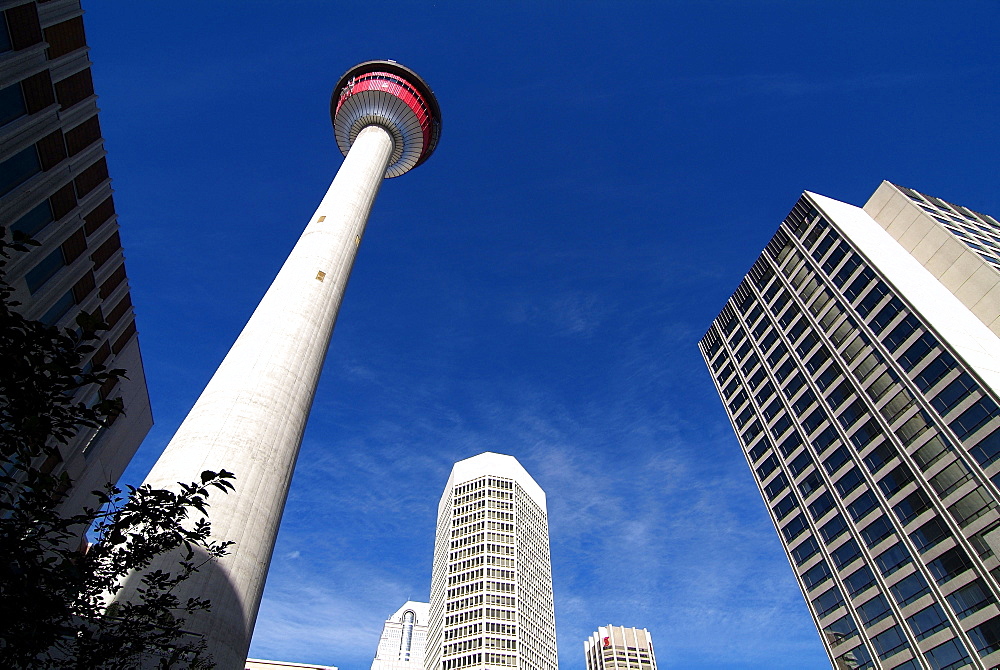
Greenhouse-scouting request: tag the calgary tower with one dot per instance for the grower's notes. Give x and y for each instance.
(251, 416)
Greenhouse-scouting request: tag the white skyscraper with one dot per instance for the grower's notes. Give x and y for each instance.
(491, 585)
(619, 648)
(404, 638)
(859, 363)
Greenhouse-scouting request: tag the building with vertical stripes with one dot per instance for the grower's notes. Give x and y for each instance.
(619, 648)
(859, 363)
(404, 639)
(491, 581)
(55, 188)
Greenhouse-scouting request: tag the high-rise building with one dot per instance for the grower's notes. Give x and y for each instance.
(859, 363)
(55, 188)
(491, 583)
(619, 648)
(257, 664)
(251, 416)
(404, 638)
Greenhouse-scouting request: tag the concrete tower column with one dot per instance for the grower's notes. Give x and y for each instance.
(251, 417)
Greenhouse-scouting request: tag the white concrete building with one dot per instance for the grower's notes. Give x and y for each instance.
(404, 638)
(619, 648)
(859, 362)
(491, 584)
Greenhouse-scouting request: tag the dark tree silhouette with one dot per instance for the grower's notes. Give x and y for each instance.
(54, 597)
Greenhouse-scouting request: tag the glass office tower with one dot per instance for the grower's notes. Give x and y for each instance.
(859, 363)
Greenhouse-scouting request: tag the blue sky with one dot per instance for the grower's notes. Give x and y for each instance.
(607, 172)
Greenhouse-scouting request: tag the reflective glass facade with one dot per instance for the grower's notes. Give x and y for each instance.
(874, 436)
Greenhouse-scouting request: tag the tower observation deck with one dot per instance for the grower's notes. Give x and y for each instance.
(386, 94)
(251, 416)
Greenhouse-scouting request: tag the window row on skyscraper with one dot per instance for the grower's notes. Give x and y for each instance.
(491, 587)
(619, 648)
(980, 232)
(55, 189)
(872, 444)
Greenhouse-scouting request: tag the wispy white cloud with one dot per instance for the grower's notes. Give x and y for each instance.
(654, 519)
(567, 313)
(796, 84)
(314, 619)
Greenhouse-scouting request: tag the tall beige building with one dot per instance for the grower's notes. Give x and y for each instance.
(55, 188)
(859, 363)
(491, 584)
(619, 648)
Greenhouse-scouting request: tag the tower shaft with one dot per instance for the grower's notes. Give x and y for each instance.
(251, 416)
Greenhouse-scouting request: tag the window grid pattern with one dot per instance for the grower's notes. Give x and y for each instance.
(872, 446)
(619, 648)
(979, 232)
(491, 590)
(53, 181)
(404, 639)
